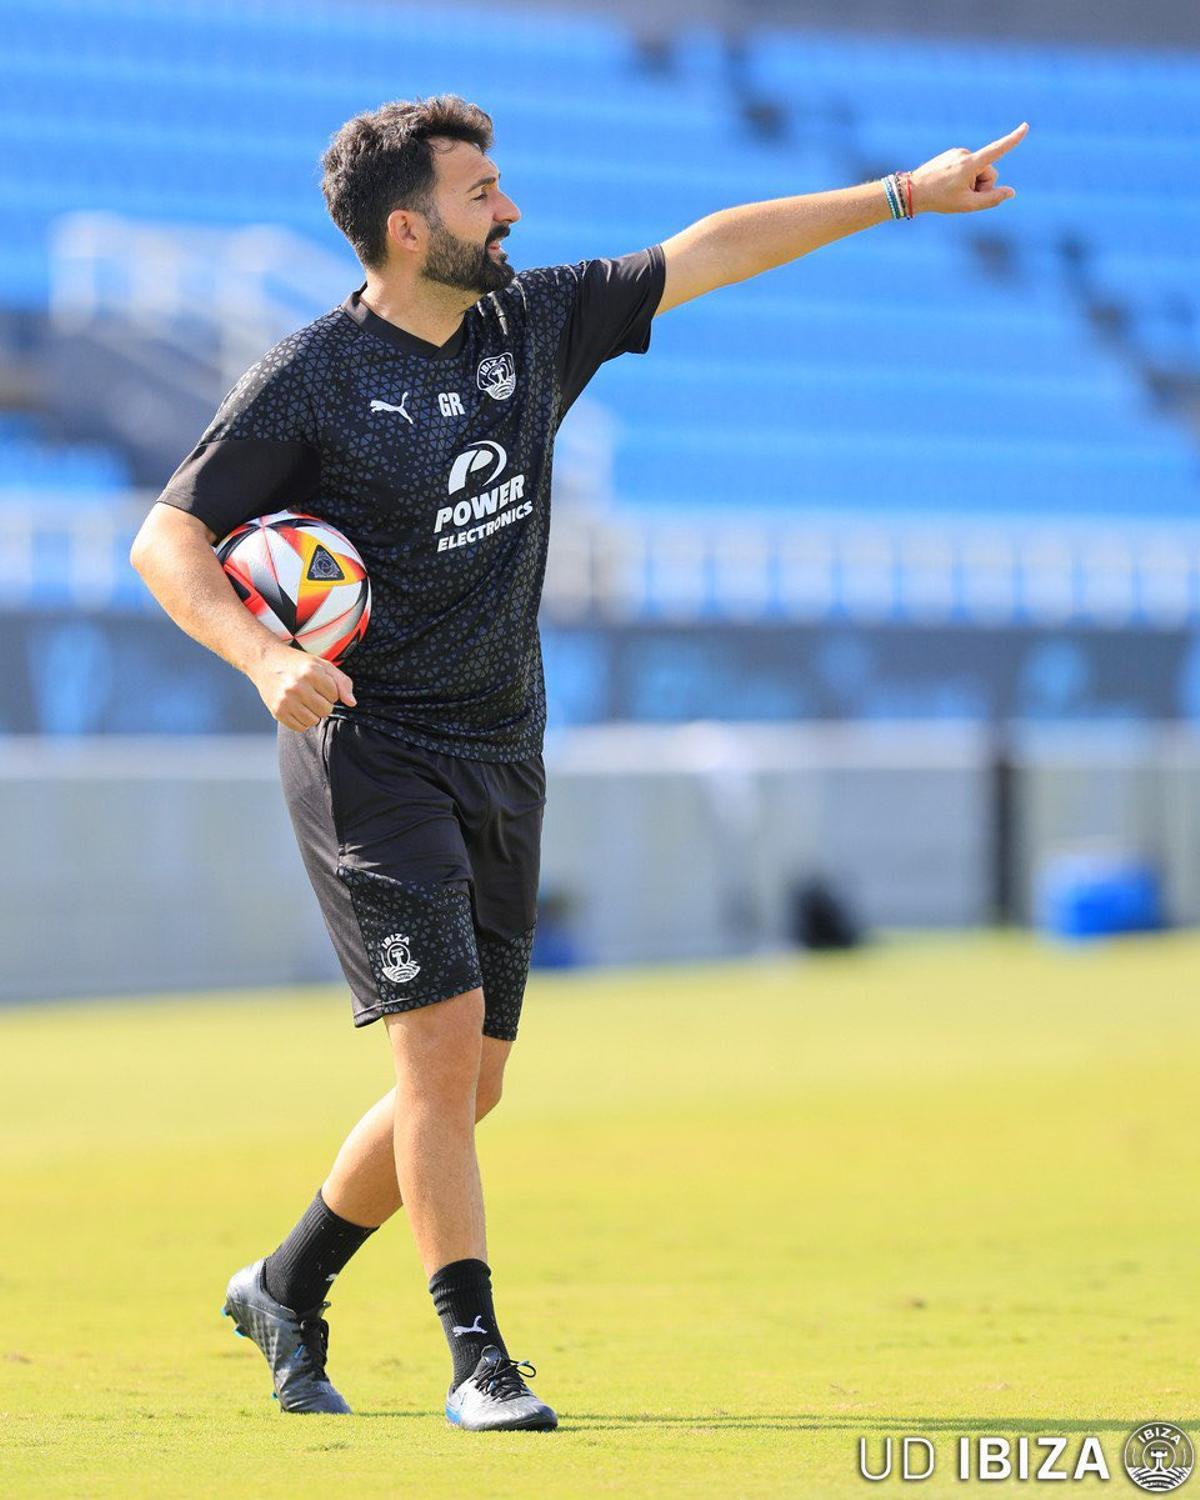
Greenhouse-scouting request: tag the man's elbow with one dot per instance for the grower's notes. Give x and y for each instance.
(139, 551)
(165, 527)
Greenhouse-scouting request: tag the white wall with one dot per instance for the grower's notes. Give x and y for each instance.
(147, 864)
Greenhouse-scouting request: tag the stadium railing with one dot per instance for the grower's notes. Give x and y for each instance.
(617, 565)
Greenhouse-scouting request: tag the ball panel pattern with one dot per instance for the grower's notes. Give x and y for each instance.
(302, 579)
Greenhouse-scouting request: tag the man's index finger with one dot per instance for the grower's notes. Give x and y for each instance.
(989, 153)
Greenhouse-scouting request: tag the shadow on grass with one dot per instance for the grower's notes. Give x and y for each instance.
(422, 1414)
(598, 1421)
(857, 1422)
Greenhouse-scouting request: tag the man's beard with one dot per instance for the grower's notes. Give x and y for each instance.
(458, 263)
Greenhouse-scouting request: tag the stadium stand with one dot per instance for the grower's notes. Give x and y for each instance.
(30, 460)
(942, 367)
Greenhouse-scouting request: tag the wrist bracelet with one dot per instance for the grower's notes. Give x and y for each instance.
(898, 187)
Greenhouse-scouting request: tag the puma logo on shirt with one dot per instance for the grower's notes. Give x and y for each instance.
(387, 406)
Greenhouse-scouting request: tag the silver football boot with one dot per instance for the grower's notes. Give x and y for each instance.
(494, 1398)
(296, 1344)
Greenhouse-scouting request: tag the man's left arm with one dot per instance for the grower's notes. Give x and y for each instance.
(740, 242)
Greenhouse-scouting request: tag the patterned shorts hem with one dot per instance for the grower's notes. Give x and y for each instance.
(499, 1033)
(372, 1013)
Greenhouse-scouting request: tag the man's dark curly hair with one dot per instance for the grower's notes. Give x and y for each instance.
(380, 161)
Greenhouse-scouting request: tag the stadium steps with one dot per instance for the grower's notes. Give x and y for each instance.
(931, 473)
(821, 379)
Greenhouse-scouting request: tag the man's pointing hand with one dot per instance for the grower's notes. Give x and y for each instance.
(960, 181)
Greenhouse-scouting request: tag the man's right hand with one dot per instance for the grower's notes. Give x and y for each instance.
(300, 689)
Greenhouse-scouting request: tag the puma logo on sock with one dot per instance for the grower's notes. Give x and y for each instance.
(459, 1329)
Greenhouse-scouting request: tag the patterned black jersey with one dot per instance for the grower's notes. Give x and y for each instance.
(435, 462)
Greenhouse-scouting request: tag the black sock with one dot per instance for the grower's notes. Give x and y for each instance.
(462, 1294)
(299, 1272)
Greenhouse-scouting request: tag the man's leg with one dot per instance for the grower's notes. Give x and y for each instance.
(382, 829)
(362, 1185)
(437, 1052)
(361, 1192)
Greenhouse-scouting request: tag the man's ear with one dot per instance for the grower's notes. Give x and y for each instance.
(406, 230)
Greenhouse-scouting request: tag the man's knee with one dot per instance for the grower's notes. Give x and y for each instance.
(436, 1048)
(492, 1059)
(487, 1096)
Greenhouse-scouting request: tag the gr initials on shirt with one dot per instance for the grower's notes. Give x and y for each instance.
(449, 404)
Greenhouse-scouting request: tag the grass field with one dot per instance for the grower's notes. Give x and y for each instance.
(739, 1216)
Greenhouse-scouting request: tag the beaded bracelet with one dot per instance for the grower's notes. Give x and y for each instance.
(898, 187)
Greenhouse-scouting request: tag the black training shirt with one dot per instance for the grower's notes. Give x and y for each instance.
(435, 462)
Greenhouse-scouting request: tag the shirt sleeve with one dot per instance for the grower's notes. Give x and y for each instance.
(613, 308)
(259, 454)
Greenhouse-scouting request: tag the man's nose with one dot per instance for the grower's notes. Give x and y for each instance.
(507, 211)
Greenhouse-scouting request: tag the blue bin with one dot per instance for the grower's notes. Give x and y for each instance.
(1089, 895)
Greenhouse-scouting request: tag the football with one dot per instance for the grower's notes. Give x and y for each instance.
(302, 579)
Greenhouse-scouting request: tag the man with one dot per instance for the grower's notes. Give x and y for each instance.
(419, 418)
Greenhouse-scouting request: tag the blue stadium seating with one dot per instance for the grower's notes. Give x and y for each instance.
(891, 369)
(78, 470)
(1114, 136)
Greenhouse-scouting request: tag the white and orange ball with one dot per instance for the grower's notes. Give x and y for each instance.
(302, 579)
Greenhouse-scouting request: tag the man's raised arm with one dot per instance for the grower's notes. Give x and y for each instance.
(739, 242)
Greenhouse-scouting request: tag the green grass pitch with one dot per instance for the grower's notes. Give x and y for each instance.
(739, 1216)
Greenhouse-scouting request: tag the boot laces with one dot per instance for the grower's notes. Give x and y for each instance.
(504, 1379)
(314, 1339)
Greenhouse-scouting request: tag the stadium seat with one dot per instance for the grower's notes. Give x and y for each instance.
(803, 386)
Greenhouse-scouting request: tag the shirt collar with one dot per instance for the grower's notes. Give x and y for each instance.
(371, 322)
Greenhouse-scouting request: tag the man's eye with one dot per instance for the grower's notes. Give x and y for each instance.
(479, 197)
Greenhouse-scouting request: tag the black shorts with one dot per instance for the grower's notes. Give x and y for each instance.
(425, 865)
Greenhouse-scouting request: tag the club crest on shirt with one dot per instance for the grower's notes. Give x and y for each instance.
(497, 376)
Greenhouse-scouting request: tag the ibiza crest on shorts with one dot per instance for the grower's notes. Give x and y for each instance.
(398, 965)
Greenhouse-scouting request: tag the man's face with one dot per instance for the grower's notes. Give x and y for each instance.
(467, 219)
